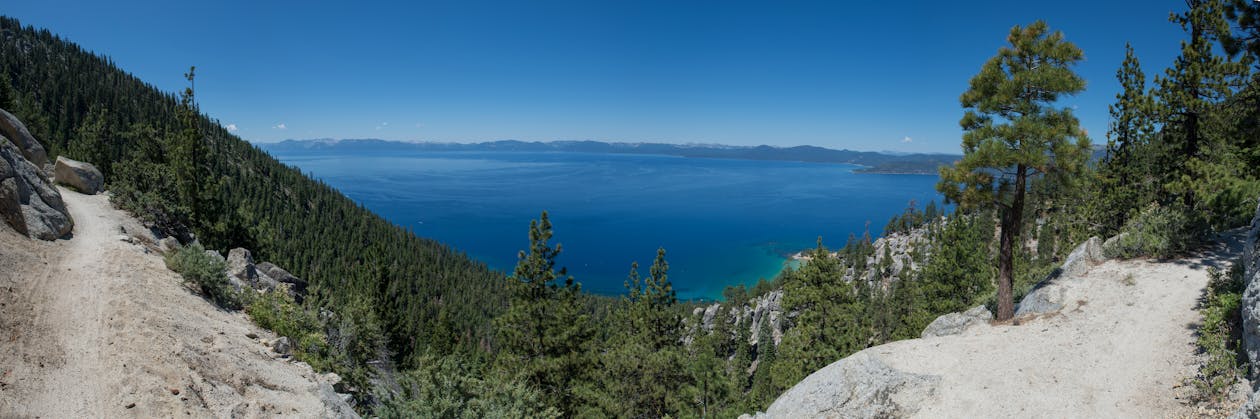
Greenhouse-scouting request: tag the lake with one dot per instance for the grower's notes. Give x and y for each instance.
(722, 222)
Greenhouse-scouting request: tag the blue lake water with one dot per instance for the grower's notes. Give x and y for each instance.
(722, 222)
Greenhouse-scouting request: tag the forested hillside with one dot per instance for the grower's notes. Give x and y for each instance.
(83, 106)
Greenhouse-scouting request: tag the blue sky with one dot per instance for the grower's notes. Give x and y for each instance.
(865, 76)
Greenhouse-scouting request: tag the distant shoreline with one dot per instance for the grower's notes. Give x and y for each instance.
(868, 162)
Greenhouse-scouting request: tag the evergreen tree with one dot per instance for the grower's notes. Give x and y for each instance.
(743, 354)
(824, 328)
(8, 97)
(1126, 174)
(646, 350)
(1246, 38)
(764, 387)
(1013, 132)
(544, 336)
(660, 301)
(93, 139)
(1188, 93)
(958, 274)
(931, 212)
(189, 150)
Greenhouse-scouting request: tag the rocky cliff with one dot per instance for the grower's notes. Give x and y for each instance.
(1251, 312)
(898, 253)
(902, 250)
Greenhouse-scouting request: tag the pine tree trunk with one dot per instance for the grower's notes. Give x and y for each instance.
(1192, 116)
(1012, 219)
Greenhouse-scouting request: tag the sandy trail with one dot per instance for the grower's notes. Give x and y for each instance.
(1122, 346)
(96, 326)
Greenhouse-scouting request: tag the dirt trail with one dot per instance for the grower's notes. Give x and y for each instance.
(1122, 346)
(96, 326)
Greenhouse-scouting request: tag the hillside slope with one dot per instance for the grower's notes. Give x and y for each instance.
(348, 254)
(96, 325)
(1123, 345)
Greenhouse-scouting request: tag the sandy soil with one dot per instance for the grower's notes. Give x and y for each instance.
(1123, 346)
(96, 326)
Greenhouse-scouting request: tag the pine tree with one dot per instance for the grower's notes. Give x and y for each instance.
(8, 97)
(92, 139)
(1013, 132)
(930, 212)
(544, 335)
(188, 150)
(663, 330)
(1126, 175)
(956, 275)
(825, 328)
(765, 388)
(1190, 90)
(647, 350)
(1246, 39)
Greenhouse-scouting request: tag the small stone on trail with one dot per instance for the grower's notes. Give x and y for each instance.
(130, 405)
(251, 335)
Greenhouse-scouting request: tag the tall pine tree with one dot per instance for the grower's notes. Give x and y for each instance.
(1014, 133)
(1126, 175)
(544, 336)
(827, 326)
(1188, 95)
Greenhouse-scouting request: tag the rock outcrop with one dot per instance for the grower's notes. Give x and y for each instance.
(294, 285)
(860, 386)
(243, 273)
(1048, 295)
(82, 176)
(241, 266)
(1251, 295)
(1251, 311)
(15, 131)
(956, 323)
(749, 315)
(899, 247)
(1112, 247)
(28, 201)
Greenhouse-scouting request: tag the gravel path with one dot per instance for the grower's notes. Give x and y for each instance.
(1122, 346)
(96, 326)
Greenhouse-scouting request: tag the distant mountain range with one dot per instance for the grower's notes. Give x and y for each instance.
(872, 162)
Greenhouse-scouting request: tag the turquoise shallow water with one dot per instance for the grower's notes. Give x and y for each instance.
(722, 222)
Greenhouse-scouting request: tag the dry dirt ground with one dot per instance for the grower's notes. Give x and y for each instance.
(1123, 346)
(96, 326)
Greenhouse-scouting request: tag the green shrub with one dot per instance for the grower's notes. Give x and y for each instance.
(1159, 232)
(206, 273)
(447, 387)
(1219, 336)
(276, 311)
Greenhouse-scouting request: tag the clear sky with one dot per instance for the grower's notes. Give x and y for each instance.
(863, 75)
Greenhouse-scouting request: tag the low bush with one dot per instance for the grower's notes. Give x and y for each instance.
(343, 342)
(205, 272)
(1219, 337)
(1159, 232)
(448, 387)
(276, 311)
